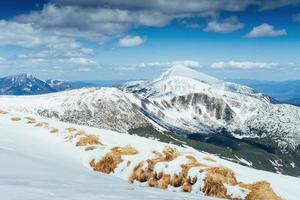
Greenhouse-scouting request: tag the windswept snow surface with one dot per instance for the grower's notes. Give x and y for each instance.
(36, 164)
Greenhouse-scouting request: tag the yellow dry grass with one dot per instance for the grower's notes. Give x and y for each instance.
(223, 174)
(30, 118)
(31, 122)
(209, 159)
(260, 191)
(90, 148)
(3, 112)
(42, 124)
(16, 119)
(54, 130)
(88, 140)
(214, 187)
(71, 129)
(147, 174)
(112, 159)
(80, 133)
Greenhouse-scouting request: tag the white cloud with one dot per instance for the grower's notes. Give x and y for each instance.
(184, 63)
(82, 61)
(265, 30)
(227, 25)
(243, 65)
(131, 41)
(83, 69)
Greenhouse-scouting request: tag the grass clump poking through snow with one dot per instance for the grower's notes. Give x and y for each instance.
(88, 140)
(111, 160)
(215, 179)
(2, 112)
(16, 119)
(54, 130)
(71, 129)
(42, 124)
(260, 191)
(147, 174)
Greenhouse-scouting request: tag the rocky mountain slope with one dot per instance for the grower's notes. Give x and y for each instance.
(73, 151)
(191, 106)
(23, 84)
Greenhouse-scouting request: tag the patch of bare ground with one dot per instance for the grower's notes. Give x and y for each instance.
(112, 159)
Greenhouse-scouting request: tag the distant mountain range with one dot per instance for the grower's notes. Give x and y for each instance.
(285, 91)
(27, 84)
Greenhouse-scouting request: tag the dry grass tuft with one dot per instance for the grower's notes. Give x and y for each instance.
(214, 187)
(31, 122)
(147, 174)
(54, 130)
(112, 159)
(42, 124)
(209, 159)
(71, 129)
(3, 112)
(260, 191)
(223, 174)
(88, 140)
(90, 148)
(16, 119)
(80, 133)
(30, 118)
(126, 150)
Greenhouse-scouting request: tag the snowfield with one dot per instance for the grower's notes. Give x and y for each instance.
(43, 158)
(38, 165)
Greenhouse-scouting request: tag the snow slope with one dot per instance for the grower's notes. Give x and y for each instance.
(38, 165)
(41, 160)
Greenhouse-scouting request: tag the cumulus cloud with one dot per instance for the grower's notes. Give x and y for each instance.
(131, 41)
(227, 25)
(82, 61)
(265, 30)
(243, 65)
(183, 63)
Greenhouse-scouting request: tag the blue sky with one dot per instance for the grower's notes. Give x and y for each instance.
(118, 39)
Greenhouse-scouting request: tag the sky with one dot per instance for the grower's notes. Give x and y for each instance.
(134, 39)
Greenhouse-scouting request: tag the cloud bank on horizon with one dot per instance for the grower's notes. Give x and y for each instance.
(109, 37)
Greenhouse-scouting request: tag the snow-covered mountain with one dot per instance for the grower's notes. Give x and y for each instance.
(23, 84)
(48, 159)
(190, 104)
(197, 103)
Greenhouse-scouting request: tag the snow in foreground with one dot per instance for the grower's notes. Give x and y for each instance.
(40, 161)
(37, 165)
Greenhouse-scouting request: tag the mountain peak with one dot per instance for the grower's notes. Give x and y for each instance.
(182, 71)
